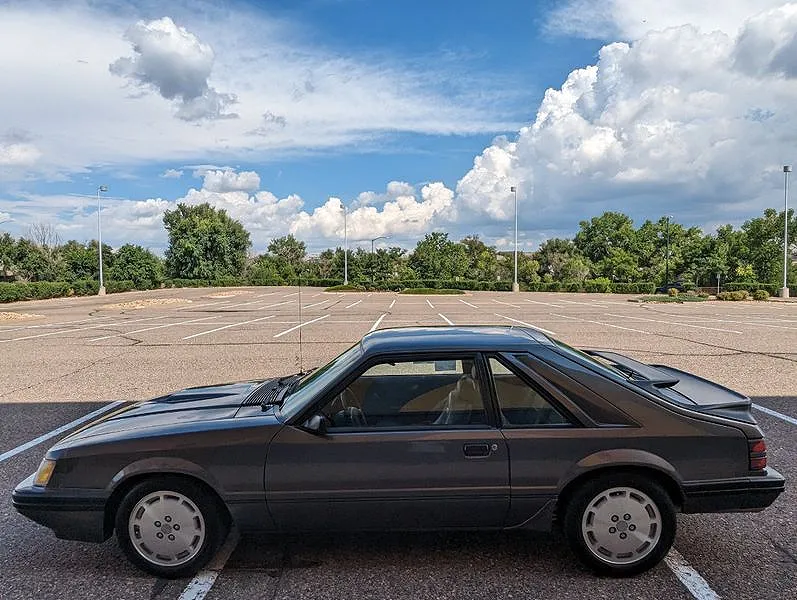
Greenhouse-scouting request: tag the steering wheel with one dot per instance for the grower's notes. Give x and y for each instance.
(350, 413)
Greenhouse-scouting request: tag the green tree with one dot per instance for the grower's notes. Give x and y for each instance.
(482, 259)
(618, 265)
(8, 251)
(437, 257)
(204, 243)
(574, 268)
(81, 260)
(598, 235)
(136, 264)
(552, 256)
(765, 244)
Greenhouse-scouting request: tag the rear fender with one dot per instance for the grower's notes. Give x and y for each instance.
(619, 458)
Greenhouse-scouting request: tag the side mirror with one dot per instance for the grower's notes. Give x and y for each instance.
(316, 424)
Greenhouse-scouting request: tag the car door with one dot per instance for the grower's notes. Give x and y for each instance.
(539, 433)
(409, 444)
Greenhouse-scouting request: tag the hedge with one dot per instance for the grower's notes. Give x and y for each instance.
(41, 290)
(772, 288)
(735, 295)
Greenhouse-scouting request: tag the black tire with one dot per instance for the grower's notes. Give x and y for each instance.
(215, 525)
(579, 502)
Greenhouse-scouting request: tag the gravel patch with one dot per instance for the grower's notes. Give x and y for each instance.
(146, 303)
(12, 316)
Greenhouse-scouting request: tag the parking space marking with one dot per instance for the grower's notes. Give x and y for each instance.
(59, 430)
(203, 581)
(752, 324)
(201, 305)
(107, 337)
(548, 331)
(281, 333)
(680, 324)
(429, 303)
(601, 323)
(378, 321)
(188, 337)
(542, 303)
(691, 579)
(445, 318)
(14, 328)
(353, 304)
(468, 303)
(266, 294)
(392, 303)
(316, 304)
(278, 304)
(40, 335)
(596, 303)
(504, 303)
(289, 295)
(776, 414)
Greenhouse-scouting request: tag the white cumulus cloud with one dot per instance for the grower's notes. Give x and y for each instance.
(172, 174)
(175, 63)
(228, 180)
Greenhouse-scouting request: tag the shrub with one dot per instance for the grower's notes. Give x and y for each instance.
(114, 287)
(85, 287)
(430, 291)
(702, 295)
(599, 285)
(733, 296)
(772, 288)
(672, 292)
(760, 295)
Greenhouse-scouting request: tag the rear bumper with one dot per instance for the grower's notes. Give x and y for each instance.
(744, 494)
(72, 515)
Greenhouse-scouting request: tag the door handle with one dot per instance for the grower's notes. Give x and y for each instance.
(476, 450)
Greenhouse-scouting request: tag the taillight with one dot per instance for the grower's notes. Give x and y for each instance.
(758, 455)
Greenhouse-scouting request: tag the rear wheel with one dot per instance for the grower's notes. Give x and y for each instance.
(169, 527)
(620, 524)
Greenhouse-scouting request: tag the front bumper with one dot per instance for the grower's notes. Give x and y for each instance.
(743, 494)
(72, 514)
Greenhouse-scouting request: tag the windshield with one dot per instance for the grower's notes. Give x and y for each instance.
(316, 381)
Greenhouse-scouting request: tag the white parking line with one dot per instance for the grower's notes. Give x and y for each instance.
(691, 579)
(13, 328)
(445, 318)
(392, 303)
(752, 324)
(289, 295)
(601, 323)
(107, 337)
(543, 303)
(378, 321)
(278, 304)
(353, 304)
(62, 429)
(681, 324)
(504, 303)
(281, 333)
(201, 305)
(526, 324)
(468, 303)
(39, 335)
(316, 304)
(266, 294)
(203, 581)
(188, 337)
(776, 414)
(429, 303)
(596, 303)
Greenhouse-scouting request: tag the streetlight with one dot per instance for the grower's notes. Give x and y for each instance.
(784, 291)
(373, 257)
(102, 188)
(515, 285)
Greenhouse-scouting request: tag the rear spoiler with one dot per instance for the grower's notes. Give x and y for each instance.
(652, 375)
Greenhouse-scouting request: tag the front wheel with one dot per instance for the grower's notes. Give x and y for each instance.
(620, 524)
(169, 527)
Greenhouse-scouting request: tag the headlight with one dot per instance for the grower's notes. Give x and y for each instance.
(44, 473)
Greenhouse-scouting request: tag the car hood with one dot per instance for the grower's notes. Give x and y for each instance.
(192, 405)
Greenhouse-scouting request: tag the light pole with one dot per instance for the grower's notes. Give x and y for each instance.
(784, 291)
(102, 188)
(515, 285)
(345, 246)
(373, 256)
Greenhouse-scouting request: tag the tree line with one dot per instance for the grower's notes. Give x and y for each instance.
(206, 244)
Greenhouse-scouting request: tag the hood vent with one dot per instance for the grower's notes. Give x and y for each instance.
(265, 393)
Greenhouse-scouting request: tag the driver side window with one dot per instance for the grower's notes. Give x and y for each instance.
(410, 395)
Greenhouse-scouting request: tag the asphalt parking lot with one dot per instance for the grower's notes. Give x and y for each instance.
(77, 355)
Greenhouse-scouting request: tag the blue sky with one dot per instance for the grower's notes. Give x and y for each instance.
(414, 115)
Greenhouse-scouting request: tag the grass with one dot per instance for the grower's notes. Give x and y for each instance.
(350, 287)
(442, 291)
(664, 298)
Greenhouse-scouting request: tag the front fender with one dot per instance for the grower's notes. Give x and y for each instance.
(164, 466)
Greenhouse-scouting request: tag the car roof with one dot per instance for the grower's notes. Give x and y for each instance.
(456, 338)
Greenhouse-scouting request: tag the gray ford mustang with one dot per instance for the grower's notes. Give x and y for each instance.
(415, 429)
